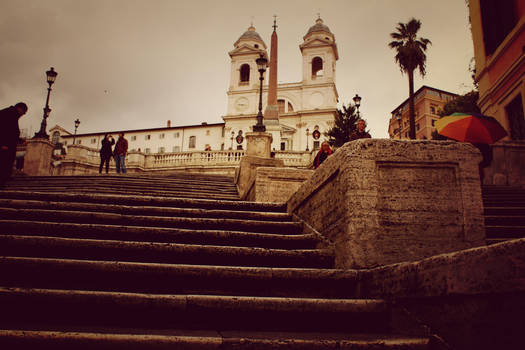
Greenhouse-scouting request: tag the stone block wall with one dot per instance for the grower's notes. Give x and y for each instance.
(277, 184)
(386, 201)
(508, 164)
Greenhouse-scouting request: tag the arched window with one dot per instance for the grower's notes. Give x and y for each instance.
(55, 137)
(245, 73)
(290, 107)
(317, 67)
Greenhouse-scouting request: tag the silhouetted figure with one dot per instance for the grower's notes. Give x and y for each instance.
(486, 152)
(360, 133)
(121, 148)
(9, 137)
(106, 152)
(324, 152)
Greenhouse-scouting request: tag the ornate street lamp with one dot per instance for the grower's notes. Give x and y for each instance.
(233, 135)
(51, 76)
(307, 131)
(357, 102)
(261, 67)
(77, 123)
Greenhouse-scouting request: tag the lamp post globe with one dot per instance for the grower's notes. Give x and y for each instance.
(357, 102)
(307, 132)
(262, 62)
(50, 76)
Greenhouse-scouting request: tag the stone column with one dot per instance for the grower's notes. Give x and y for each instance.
(37, 161)
(383, 201)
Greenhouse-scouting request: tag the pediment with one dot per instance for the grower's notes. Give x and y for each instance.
(246, 49)
(287, 129)
(317, 42)
(58, 127)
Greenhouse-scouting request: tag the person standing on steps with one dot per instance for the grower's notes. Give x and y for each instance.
(324, 152)
(360, 133)
(121, 148)
(106, 152)
(9, 137)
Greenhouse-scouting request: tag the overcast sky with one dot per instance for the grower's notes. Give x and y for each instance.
(134, 64)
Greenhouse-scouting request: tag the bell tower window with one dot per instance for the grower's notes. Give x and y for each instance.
(244, 74)
(317, 67)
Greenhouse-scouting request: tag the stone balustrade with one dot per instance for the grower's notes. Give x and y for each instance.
(84, 160)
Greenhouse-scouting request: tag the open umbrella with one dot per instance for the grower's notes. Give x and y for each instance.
(471, 127)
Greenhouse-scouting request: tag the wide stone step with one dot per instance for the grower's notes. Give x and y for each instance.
(158, 278)
(203, 340)
(159, 234)
(112, 250)
(504, 220)
(157, 201)
(54, 307)
(140, 192)
(502, 211)
(505, 231)
(150, 221)
(144, 210)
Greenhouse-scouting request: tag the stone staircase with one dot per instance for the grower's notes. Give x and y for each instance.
(173, 262)
(504, 209)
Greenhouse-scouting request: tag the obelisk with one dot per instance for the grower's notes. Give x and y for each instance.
(271, 114)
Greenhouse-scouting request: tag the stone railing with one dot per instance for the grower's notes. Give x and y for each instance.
(82, 160)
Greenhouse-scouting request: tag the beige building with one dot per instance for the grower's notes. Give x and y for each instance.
(310, 104)
(428, 102)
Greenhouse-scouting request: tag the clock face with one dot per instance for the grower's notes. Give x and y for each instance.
(242, 104)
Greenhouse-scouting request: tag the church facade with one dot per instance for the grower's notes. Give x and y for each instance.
(305, 109)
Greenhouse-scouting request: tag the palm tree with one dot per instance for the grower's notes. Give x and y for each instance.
(410, 54)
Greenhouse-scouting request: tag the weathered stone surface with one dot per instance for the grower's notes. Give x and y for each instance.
(245, 175)
(384, 201)
(278, 184)
(258, 144)
(38, 157)
(508, 164)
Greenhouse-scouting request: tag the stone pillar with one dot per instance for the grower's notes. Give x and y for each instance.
(258, 144)
(37, 161)
(384, 201)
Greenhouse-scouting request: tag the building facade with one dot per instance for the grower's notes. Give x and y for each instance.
(428, 102)
(303, 107)
(498, 33)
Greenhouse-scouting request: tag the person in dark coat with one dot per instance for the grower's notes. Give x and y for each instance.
(360, 133)
(106, 152)
(324, 152)
(9, 137)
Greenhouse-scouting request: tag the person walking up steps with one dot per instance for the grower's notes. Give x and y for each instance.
(106, 152)
(121, 148)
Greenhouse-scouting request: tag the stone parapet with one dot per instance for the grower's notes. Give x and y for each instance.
(508, 164)
(384, 201)
(245, 174)
(37, 160)
(258, 144)
(277, 184)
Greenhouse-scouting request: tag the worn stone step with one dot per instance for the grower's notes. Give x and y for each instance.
(157, 201)
(150, 221)
(505, 231)
(144, 210)
(504, 220)
(159, 234)
(509, 210)
(203, 340)
(109, 309)
(173, 253)
(158, 278)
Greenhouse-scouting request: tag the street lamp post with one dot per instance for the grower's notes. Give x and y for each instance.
(233, 134)
(261, 66)
(307, 131)
(357, 102)
(77, 123)
(51, 76)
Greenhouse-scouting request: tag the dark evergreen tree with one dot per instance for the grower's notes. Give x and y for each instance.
(345, 123)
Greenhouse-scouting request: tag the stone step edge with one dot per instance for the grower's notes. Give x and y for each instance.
(148, 200)
(150, 210)
(221, 340)
(195, 270)
(187, 302)
(239, 252)
(68, 216)
(45, 226)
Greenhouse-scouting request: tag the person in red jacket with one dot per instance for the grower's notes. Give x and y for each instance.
(324, 152)
(119, 153)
